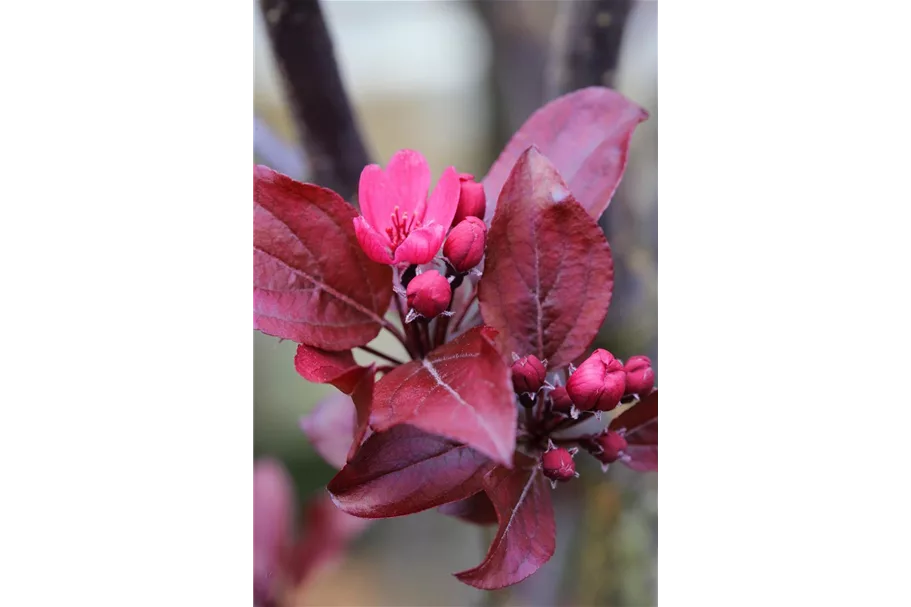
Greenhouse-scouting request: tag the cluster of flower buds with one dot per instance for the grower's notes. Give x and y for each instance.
(428, 294)
(599, 384)
(464, 247)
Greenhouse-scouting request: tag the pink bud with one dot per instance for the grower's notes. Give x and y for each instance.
(599, 382)
(558, 464)
(472, 201)
(640, 377)
(611, 445)
(464, 246)
(528, 374)
(428, 294)
(562, 402)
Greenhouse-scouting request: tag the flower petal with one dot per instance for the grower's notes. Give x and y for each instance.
(375, 197)
(445, 199)
(421, 245)
(408, 180)
(375, 245)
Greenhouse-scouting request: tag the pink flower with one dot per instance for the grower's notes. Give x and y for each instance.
(399, 224)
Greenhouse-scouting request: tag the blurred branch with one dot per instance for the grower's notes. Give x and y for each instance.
(517, 55)
(586, 44)
(325, 122)
(273, 151)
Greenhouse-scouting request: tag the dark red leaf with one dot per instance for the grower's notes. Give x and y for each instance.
(527, 535)
(330, 427)
(407, 470)
(586, 134)
(641, 425)
(462, 391)
(312, 283)
(476, 509)
(340, 370)
(325, 534)
(549, 274)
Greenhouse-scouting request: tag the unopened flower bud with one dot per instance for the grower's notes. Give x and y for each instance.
(528, 374)
(611, 445)
(428, 294)
(558, 464)
(599, 382)
(562, 402)
(640, 377)
(472, 201)
(464, 247)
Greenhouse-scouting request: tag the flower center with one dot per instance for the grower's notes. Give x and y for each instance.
(401, 227)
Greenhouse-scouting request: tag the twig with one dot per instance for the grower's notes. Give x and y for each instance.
(391, 359)
(464, 312)
(398, 335)
(326, 125)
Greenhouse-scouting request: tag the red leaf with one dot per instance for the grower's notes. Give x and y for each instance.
(586, 134)
(527, 535)
(340, 370)
(406, 470)
(462, 391)
(330, 427)
(476, 509)
(324, 367)
(312, 283)
(641, 424)
(549, 274)
(326, 532)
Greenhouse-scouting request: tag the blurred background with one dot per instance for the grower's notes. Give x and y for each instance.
(454, 79)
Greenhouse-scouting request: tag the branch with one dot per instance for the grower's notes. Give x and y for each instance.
(272, 150)
(586, 44)
(325, 122)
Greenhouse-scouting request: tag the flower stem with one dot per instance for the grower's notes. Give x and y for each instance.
(391, 359)
(399, 336)
(464, 311)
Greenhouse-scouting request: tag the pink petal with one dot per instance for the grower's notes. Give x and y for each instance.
(375, 245)
(445, 200)
(421, 245)
(375, 197)
(408, 179)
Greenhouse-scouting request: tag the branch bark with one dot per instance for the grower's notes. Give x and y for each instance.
(586, 44)
(325, 122)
